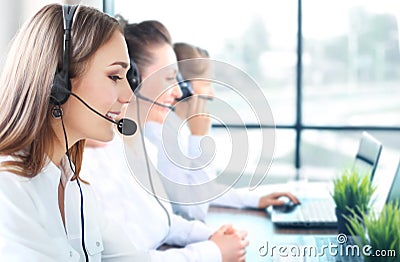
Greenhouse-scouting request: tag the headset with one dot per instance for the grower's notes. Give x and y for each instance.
(186, 87)
(61, 86)
(133, 76)
(60, 92)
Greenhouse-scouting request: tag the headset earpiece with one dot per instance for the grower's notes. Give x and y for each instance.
(185, 86)
(60, 89)
(61, 86)
(133, 76)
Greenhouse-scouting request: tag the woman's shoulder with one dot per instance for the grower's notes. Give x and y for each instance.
(12, 189)
(5, 174)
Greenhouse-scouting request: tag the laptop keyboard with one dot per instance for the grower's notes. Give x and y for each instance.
(315, 212)
(318, 210)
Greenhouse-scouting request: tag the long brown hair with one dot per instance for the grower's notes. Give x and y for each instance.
(25, 83)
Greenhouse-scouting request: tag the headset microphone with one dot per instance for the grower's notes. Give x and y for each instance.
(125, 126)
(140, 96)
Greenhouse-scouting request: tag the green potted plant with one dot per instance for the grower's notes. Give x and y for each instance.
(352, 193)
(378, 235)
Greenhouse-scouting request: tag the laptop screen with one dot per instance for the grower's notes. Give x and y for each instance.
(367, 157)
(394, 192)
(386, 181)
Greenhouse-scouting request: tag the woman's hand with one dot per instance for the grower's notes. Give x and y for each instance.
(231, 242)
(273, 199)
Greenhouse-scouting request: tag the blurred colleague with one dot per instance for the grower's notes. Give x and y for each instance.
(48, 213)
(195, 124)
(149, 222)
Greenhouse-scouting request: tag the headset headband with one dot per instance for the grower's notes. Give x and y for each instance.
(61, 87)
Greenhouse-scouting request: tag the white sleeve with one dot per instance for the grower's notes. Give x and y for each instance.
(191, 212)
(183, 232)
(194, 146)
(197, 153)
(232, 198)
(238, 198)
(183, 176)
(199, 211)
(205, 251)
(193, 236)
(174, 171)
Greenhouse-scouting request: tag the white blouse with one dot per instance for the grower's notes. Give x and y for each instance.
(189, 146)
(138, 212)
(31, 227)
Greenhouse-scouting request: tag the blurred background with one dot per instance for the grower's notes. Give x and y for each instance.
(329, 70)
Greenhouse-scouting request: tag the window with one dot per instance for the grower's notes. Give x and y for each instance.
(352, 63)
(347, 81)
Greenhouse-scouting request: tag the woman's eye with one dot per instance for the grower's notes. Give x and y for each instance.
(171, 78)
(115, 78)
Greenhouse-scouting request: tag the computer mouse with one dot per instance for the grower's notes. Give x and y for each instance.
(287, 207)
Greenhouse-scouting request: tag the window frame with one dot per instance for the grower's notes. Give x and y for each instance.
(298, 126)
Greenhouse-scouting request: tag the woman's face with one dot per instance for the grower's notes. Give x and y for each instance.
(104, 87)
(160, 83)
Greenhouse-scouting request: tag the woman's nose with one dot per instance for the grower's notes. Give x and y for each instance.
(176, 91)
(125, 92)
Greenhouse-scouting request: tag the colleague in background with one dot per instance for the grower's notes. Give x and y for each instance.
(48, 213)
(147, 219)
(195, 124)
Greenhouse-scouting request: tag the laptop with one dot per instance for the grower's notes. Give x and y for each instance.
(368, 153)
(386, 181)
(388, 192)
(394, 191)
(318, 210)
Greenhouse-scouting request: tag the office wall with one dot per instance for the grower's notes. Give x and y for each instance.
(9, 19)
(14, 13)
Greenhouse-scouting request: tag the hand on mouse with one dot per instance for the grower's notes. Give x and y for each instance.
(273, 199)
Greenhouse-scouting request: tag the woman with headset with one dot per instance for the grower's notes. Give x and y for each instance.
(190, 115)
(137, 202)
(57, 67)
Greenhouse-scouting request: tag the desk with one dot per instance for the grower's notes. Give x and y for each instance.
(260, 230)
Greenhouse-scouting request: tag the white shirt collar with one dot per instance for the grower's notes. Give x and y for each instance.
(64, 173)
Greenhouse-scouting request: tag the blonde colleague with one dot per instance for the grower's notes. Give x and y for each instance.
(197, 125)
(147, 219)
(48, 213)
